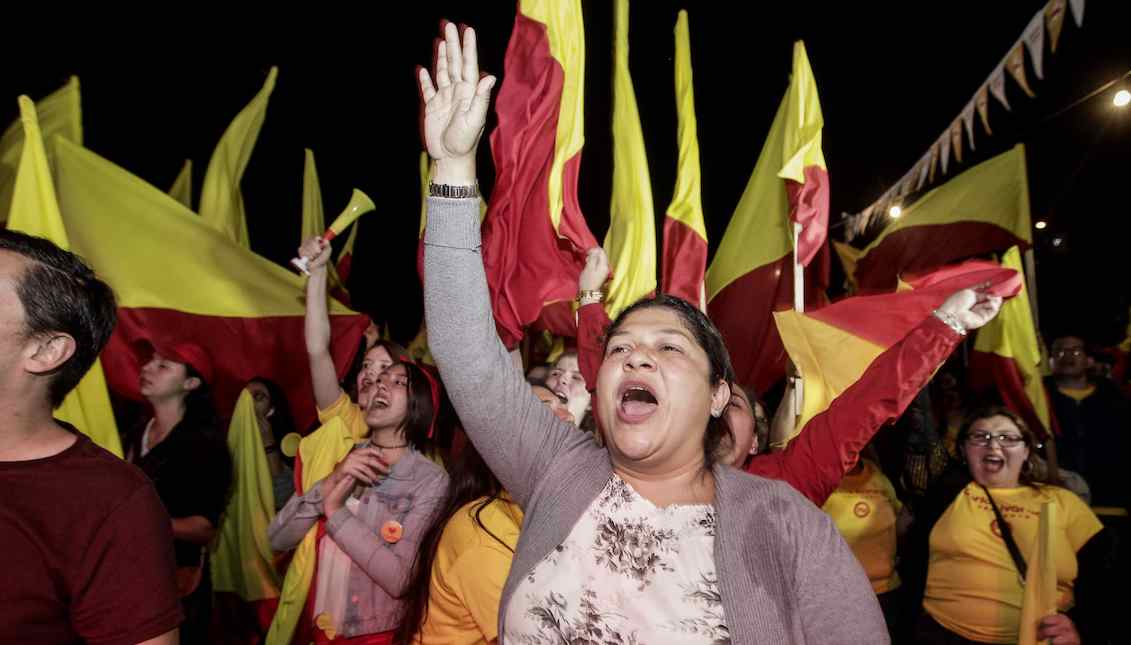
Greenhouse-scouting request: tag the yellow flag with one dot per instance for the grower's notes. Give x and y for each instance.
(849, 256)
(1039, 597)
(243, 562)
(313, 218)
(1013, 335)
(984, 209)
(181, 189)
(631, 239)
(35, 210)
(319, 451)
(221, 203)
(58, 114)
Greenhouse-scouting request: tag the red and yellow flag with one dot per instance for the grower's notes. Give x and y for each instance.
(535, 236)
(751, 274)
(221, 201)
(178, 280)
(59, 114)
(35, 211)
(685, 234)
(982, 210)
(833, 346)
(631, 238)
(1007, 357)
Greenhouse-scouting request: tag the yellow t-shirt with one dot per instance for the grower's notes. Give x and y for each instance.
(350, 413)
(864, 508)
(468, 574)
(1079, 394)
(973, 587)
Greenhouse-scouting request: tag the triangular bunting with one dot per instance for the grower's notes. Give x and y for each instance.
(956, 140)
(968, 121)
(1034, 38)
(944, 151)
(1054, 18)
(982, 102)
(1015, 63)
(997, 86)
(1077, 11)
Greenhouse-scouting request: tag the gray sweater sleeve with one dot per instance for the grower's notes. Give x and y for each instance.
(517, 435)
(294, 520)
(834, 594)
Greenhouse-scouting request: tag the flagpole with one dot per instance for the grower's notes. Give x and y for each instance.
(799, 306)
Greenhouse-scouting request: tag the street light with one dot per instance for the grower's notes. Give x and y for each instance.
(895, 212)
(1041, 224)
(1121, 98)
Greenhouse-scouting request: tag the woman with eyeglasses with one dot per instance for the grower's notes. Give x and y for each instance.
(976, 531)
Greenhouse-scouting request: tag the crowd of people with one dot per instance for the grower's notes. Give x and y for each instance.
(625, 493)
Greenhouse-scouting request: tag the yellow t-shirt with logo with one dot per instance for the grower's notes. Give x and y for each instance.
(864, 508)
(973, 586)
(469, 572)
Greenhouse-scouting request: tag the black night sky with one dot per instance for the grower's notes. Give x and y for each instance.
(891, 77)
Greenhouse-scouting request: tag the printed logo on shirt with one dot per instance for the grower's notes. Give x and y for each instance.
(995, 528)
(861, 509)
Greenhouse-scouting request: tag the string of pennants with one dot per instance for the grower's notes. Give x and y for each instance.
(936, 162)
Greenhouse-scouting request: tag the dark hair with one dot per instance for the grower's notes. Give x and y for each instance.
(710, 340)
(200, 411)
(349, 383)
(60, 293)
(470, 480)
(283, 421)
(418, 417)
(1031, 474)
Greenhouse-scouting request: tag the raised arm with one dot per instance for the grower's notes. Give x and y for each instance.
(592, 320)
(815, 461)
(317, 324)
(517, 435)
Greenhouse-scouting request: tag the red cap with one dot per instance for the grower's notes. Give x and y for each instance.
(187, 353)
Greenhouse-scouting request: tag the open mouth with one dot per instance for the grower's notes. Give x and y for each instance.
(378, 403)
(993, 463)
(637, 402)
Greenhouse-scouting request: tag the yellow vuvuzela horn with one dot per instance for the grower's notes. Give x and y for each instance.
(359, 205)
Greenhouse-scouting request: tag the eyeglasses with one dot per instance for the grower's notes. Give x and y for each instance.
(1006, 440)
(1071, 351)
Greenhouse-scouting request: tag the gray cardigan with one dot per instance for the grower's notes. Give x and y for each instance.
(785, 574)
(410, 495)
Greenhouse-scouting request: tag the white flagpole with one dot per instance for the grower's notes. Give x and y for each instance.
(799, 306)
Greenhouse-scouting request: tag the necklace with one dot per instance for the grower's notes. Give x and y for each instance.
(379, 446)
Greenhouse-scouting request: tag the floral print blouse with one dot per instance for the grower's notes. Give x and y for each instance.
(629, 573)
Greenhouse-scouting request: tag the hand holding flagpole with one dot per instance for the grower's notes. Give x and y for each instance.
(359, 205)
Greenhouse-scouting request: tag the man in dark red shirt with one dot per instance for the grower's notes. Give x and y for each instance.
(85, 544)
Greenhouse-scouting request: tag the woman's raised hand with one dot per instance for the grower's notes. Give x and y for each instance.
(455, 107)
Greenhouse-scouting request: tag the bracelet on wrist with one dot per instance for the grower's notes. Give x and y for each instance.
(449, 191)
(590, 296)
(951, 321)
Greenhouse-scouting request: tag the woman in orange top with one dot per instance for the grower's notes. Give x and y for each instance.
(959, 567)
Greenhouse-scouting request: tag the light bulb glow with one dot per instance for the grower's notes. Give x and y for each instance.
(895, 212)
(1121, 98)
(1041, 225)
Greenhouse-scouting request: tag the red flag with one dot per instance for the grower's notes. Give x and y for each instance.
(535, 236)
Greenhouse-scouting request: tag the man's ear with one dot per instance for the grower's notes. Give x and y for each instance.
(47, 352)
